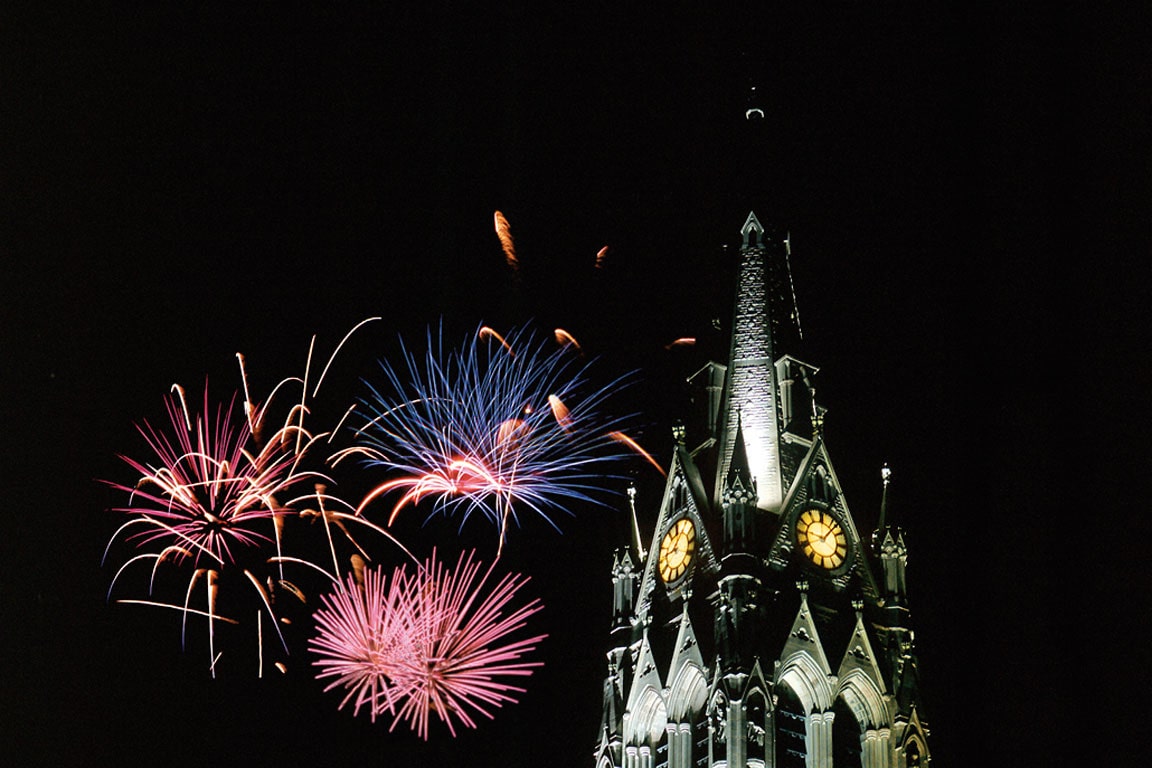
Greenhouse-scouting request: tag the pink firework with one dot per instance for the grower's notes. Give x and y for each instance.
(365, 640)
(434, 641)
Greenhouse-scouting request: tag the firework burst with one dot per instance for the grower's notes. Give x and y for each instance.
(213, 499)
(499, 425)
(429, 642)
(209, 499)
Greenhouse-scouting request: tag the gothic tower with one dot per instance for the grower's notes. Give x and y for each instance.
(759, 628)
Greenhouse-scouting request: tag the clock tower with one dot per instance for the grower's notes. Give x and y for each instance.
(758, 627)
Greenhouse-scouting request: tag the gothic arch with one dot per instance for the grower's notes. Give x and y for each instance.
(648, 720)
(804, 675)
(687, 694)
(821, 488)
(915, 749)
(861, 695)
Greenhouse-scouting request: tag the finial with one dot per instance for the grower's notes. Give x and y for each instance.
(886, 478)
(678, 432)
(640, 553)
(752, 226)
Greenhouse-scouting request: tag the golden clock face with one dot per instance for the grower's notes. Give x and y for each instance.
(821, 538)
(676, 549)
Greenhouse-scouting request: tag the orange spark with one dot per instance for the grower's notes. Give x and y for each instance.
(683, 341)
(600, 254)
(509, 430)
(504, 232)
(563, 338)
(486, 332)
(560, 411)
(620, 437)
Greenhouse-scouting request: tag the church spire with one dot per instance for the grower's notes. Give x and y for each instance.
(750, 397)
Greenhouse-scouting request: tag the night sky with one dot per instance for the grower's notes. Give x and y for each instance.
(967, 192)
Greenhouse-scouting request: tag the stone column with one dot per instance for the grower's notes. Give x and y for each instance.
(770, 737)
(685, 739)
(737, 735)
(820, 739)
(870, 755)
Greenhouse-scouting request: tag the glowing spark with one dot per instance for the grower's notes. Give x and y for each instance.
(684, 341)
(560, 411)
(623, 438)
(504, 232)
(600, 255)
(563, 338)
(336, 351)
(487, 333)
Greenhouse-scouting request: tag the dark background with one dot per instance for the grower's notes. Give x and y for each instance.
(967, 193)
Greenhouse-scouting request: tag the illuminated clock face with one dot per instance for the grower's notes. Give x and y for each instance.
(821, 538)
(676, 549)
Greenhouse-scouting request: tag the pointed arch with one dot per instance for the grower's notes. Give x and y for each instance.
(687, 694)
(915, 747)
(808, 679)
(864, 699)
(648, 720)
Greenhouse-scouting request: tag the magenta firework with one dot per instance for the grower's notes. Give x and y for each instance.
(494, 427)
(429, 642)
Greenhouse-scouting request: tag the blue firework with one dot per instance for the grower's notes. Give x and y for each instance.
(494, 427)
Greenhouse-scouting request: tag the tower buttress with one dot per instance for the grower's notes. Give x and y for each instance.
(889, 542)
(738, 499)
(624, 575)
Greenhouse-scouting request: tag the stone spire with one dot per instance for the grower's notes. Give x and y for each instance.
(750, 397)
